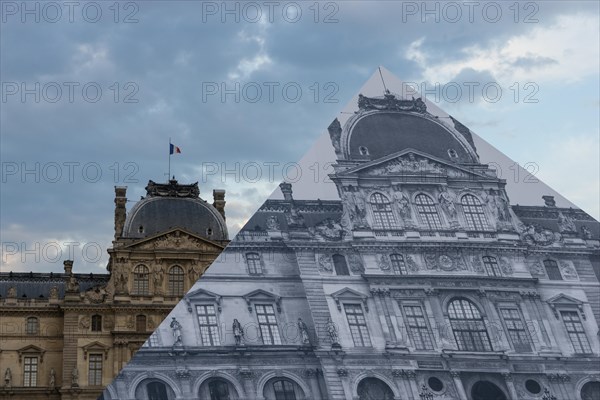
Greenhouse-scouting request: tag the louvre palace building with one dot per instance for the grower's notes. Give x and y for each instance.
(67, 335)
(423, 282)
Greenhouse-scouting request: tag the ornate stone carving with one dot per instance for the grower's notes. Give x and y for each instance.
(444, 262)
(335, 133)
(328, 229)
(84, 322)
(383, 263)
(410, 164)
(176, 327)
(52, 378)
(498, 206)
(12, 292)
(566, 224)
(172, 189)
(333, 333)
(354, 207)
(343, 372)
(158, 278)
(403, 203)
(108, 322)
(412, 265)
(53, 295)
(130, 324)
(536, 268)
(177, 240)
(585, 233)
(75, 377)
(392, 103)
(95, 295)
(477, 264)
(303, 329)
(447, 203)
(8, 378)
(536, 235)
(238, 332)
(568, 271)
(182, 373)
(355, 263)
(325, 263)
(505, 266)
(72, 284)
(273, 223)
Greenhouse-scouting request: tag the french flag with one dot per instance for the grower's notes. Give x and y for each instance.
(174, 149)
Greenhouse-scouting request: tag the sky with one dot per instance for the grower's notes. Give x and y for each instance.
(91, 92)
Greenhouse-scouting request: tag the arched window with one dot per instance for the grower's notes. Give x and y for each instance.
(32, 326)
(282, 389)
(590, 391)
(428, 212)
(340, 265)
(491, 266)
(157, 391)
(96, 323)
(398, 264)
(468, 326)
(374, 389)
(141, 277)
(176, 281)
(363, 151)
(474, 214)
(552, 270)
(254, 264)
(382, 212)
(218, 389)
(140, 323)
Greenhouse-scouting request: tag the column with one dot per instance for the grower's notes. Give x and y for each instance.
(458, 385)
(510, 385)
(311, 377)
(411, 377)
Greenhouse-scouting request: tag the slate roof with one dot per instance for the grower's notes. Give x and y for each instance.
(34, 285)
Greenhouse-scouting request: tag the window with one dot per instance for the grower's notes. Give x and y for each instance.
(533, 386)
(517, 331)
(140, 323)
(374, 389)
(358, 325)
(32, 326)
(491, 266)
(382, 212)
(95, 370)
(552, 270)
(219, 390)
(209, 330)
(267, 324)
(176, 281)
(452, 153)
(157, 391)
(141, 277)
(284, 390)
(468, 326)
(428, 212)
(591, 391)
(576, 332)
(417, 327)
(398, 264)
(474, 214)
(96, 323)
(254, 265)
(30, 370)
(154, 340)
(340, 265)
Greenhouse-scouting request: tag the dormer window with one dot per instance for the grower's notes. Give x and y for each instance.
(453, 154)
(141, 229)
(363, 151)
(209, 231)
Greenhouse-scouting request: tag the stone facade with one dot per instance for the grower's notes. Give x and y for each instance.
(66, 336)
(422, 282)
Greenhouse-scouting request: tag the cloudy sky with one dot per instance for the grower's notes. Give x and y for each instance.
(92, 91)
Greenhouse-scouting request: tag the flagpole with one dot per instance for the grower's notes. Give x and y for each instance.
(169, 174)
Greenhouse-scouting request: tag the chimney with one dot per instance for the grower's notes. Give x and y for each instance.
(219, 201)
(286, 189)
(549, 201)
(68, 264)
(120, 212)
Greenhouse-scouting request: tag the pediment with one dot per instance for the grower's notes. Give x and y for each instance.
(412, 162)
(349, 294)
(563, 299)
(262, 295)
(31, 350)
(95, 347)
(176, 239)
(200, 295)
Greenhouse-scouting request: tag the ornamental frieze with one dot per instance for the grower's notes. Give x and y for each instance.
(327, 229)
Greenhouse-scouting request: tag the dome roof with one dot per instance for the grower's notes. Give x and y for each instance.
(384, 126)
(171, 205)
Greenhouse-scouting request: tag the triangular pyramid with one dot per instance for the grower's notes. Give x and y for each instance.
(395, 267)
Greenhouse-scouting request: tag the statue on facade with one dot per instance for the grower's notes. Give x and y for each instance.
(358, 214)
(403, 204)
(72, 284)
(238, 332)
(332, 332)
(158, 278)
(586, 233)
(75, 377)
(566, 224)
(447, 204)
(176, 327)
(303, 331)
(273, 223)
(12, 292)
(52, 379)
(53, 293)
(7, 378)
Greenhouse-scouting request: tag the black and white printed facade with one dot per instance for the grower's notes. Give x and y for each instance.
(421, 282)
